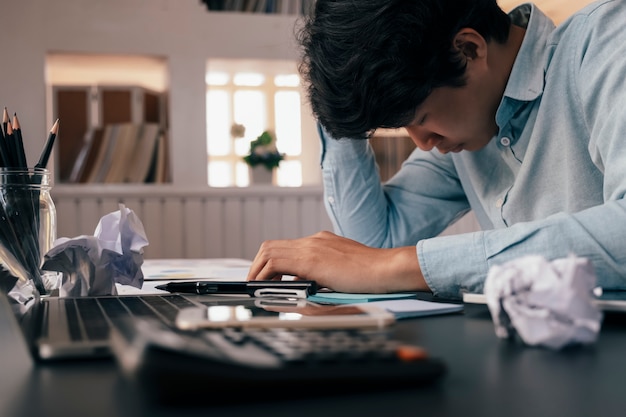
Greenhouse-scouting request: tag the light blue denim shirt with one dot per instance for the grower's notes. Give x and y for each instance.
(551, 182)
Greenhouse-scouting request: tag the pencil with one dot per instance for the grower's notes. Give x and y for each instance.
(10, 142)
(9, 145)
(4, 162)
(5, 120)
(6, 146)
(47, 149)
(19, 143)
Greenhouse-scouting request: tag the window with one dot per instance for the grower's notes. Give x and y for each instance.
(259, 95)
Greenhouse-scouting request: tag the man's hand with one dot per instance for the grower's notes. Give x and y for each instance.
(340, 264)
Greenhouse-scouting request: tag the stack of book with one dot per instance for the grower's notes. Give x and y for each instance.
(122, 153)
(292, 7)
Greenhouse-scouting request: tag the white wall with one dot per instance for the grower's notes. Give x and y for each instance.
(182, 31)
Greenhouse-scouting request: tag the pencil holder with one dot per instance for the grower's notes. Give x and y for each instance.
(29, 224)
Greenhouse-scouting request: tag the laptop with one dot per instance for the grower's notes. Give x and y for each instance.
(57, 328)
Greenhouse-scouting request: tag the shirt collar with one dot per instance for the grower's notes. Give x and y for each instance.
(527, 75)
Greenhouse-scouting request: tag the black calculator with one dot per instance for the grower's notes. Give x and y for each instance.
(172, 365)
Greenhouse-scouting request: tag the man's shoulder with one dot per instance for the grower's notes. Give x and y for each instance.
(597, 17)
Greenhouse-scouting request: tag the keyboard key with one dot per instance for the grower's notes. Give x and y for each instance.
(94, 322)
(163, 307)
(72, 320)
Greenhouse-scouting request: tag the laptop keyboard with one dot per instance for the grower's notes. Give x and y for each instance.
(92, 318)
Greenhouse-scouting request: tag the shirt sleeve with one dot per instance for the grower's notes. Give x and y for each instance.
(420, 201)
(455, 264)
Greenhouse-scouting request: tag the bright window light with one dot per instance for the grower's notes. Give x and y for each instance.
(217, 78)
(289, 174)
(288, 132)
(250, 112)
(249, 79)
(242, 174)
(219, 173)
(218, 122)
(287, 80)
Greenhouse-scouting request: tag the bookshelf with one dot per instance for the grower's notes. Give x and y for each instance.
(89, 111)
(391, 147)
(287, 7)
(71, 103)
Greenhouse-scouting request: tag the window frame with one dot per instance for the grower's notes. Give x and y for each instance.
(268, 89)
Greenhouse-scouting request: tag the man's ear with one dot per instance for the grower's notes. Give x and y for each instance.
(470, 44)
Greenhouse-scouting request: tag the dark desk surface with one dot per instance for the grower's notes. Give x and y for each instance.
(487, 377)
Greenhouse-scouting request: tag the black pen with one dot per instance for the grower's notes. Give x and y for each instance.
(293, 289)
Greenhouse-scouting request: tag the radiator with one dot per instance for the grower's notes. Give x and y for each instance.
(201, 222)
(196, 222)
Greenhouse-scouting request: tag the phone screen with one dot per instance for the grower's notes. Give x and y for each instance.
(282, 313)
(279, 310)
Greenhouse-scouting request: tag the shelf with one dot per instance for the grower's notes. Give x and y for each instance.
(284, 7)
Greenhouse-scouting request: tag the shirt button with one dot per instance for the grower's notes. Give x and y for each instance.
(331, 200)
(499, 203)
(505, 141)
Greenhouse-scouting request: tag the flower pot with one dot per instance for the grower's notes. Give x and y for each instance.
(261, 175)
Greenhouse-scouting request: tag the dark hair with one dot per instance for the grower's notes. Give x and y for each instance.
(371, 63)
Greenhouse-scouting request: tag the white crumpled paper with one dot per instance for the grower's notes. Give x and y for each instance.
(546, 303)
(92, 265)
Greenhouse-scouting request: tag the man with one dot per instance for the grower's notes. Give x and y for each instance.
(519, 121)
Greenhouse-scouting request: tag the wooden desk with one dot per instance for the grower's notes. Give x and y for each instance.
(487, 377)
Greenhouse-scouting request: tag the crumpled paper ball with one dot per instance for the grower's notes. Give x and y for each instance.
(92, 265)
(546, 303)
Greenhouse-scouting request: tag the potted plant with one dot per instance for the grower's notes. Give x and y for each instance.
(263, 157)
(263, 152)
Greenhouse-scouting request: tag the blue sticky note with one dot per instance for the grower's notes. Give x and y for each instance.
(350, 298)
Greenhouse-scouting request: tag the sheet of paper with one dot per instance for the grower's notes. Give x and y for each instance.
(149, 287)
(222, 269)
(407, 308)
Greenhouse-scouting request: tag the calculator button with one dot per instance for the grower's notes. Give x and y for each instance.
(409, 353)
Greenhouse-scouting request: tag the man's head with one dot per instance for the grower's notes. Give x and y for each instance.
(372, 63)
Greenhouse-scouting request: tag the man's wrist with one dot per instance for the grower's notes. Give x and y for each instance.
(407, 273)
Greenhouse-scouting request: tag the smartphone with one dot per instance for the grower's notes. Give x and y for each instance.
(284, 313)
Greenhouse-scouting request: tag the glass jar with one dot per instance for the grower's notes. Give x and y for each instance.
(29, 224)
